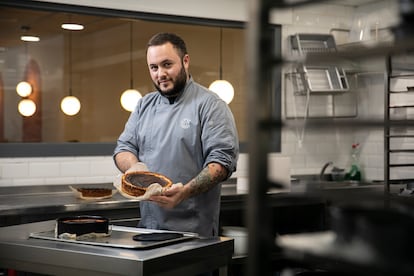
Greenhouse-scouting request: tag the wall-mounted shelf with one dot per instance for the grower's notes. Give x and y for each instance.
(317, 78)
(316, 105)
(315, 90)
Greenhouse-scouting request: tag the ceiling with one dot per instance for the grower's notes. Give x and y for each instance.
(45, 23)
(13, 22)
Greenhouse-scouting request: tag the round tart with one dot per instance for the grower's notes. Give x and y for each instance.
(81, 225)
(136, 183)
(95, 192)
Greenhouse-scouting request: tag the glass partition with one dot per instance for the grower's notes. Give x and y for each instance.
(96, 65)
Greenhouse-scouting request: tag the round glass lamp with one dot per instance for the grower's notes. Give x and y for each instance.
(27, 107)
(24, 89)
(224, 89)
(129, 99)
(70, 105)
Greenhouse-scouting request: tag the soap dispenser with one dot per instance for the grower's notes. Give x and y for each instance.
(354, 173)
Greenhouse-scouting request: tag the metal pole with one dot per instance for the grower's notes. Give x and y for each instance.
(259, 66)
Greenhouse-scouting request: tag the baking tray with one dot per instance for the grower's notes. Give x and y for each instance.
(121, 237)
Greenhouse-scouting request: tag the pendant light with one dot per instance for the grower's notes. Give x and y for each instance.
(23, 88)
(70, 105)
(27, 107)
(130, 97)
(222, 87)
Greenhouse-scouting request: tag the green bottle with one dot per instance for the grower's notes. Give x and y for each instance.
(354, 173)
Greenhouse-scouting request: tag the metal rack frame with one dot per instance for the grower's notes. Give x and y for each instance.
(388, 135)
(260, 63)
(259, 59)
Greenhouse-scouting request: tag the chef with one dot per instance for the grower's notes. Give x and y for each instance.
(185, 132)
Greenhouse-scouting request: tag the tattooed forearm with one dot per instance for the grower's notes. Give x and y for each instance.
(210, 176)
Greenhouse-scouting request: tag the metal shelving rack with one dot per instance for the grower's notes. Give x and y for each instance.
(404, 126)
(326, 79)
(261, 61)
(315, 82)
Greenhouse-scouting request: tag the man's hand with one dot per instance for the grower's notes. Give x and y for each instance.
(138, 167)
(170, 197)
(125, 160)
(210, 176)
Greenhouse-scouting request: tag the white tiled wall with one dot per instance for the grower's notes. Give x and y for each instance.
(56, 170)
(317, 147)
(308, 148)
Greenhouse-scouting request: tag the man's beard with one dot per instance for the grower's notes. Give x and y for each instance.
(178, 85)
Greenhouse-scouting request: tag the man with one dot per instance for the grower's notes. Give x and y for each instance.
(185, 132)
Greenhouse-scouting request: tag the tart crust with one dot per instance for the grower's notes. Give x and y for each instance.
(95, 192)
(136, 183)
(81, 225)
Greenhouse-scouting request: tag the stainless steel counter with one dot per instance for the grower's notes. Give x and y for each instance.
(21, 205)
(15, 199)
(306, 202)
(18, 251)
(30, 199)
(24, 204)
(38, 203)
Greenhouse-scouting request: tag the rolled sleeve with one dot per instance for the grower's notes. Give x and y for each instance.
(127, 139)
(220, 137)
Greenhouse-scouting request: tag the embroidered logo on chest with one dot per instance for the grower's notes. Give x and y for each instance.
(185, 123)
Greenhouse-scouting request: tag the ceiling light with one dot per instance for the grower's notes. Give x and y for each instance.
(30, 38)
(27, 107)
(72, 26)
(222, 87)
(24, 89)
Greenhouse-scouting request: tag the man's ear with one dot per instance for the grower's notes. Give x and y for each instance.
(186, 61)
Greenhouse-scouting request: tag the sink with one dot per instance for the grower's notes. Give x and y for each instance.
(333, 184)
(314, 182)
(348, 184)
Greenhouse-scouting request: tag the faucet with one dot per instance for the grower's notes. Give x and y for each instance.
(321, 175)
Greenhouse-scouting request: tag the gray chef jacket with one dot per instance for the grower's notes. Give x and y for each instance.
(178, 140)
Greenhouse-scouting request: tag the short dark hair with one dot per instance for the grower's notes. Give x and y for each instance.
(175, 40)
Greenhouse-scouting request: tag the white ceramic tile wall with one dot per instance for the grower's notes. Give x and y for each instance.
(310, 149)
(56, 170)
(317, 148)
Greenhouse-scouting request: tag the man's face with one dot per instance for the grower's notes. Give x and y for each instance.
(168, 72)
